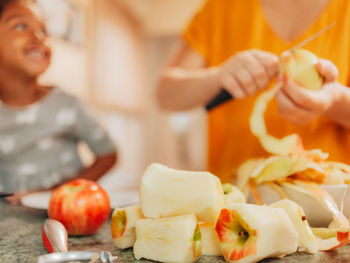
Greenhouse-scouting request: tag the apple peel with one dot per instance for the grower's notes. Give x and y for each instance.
(325, 199)
(340, 240)
(285, 146)
(307, 239)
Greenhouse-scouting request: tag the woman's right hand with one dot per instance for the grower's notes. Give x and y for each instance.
(247, 72)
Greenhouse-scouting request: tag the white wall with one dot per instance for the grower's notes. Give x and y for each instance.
(116, 71)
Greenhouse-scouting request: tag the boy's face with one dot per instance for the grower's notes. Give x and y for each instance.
(23, 40)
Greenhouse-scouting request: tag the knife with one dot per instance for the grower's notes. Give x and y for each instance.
(225, 96)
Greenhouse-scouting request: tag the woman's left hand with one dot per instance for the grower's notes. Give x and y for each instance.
(15, 199)
(301, 106)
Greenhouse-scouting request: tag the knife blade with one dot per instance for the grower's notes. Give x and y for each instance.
(224, 96)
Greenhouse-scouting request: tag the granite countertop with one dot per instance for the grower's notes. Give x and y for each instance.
(20, 241)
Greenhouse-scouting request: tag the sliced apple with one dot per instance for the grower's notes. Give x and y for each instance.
(232, 194)
(172, 239)
(300, 66)
(210, 239)
(169, 192)
(275, 168)
(244, 172)
(123, 225)
(307, 239)
(249, 233)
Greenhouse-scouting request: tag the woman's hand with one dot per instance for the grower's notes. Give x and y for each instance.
(15, 199)
(248, 72)
(301, 106)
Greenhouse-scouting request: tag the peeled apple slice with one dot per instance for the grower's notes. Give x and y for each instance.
(172, 239)
(210, 239)
(123, 225)
(169, 192)
(307, 239)
(300, 66)
(249, 233)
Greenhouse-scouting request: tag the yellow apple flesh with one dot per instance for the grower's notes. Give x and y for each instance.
(300, 66)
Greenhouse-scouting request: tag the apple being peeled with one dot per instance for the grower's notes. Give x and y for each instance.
(82, 206)
(300, 66)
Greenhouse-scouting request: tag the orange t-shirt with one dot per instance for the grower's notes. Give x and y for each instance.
(223, 27)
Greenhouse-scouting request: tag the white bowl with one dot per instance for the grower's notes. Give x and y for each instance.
(316, 214)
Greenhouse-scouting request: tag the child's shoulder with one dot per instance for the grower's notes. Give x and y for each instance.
(63, 96)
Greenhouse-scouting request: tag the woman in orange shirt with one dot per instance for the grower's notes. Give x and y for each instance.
(235, 45)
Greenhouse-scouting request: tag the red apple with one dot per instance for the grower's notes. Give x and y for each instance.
(82, 206)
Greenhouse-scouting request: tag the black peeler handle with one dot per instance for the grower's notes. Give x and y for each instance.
(219, 99)
(5, 194)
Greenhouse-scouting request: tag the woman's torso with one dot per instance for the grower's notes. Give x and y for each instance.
(236, 25)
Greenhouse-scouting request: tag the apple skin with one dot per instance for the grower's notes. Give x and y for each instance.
(82, 206)
(300, 66)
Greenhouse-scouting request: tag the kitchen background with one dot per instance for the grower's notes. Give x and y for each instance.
(110, 53)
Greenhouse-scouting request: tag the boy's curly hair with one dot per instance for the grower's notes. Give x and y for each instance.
(4, 3)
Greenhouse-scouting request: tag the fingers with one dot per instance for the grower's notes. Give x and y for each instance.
(257, 72)
(248, 72)
(291, 111)
(14, 200)
(230, 83)
(327, 70)
(269, 61)
(246, 81)
(317, 101)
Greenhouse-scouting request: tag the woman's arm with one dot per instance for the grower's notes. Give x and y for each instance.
(187, 82)
(340, 110)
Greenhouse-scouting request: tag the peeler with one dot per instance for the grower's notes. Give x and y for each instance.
(55, 240)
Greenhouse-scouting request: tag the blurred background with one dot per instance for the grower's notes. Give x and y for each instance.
(109, 53)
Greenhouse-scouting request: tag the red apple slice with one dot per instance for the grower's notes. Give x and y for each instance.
(249, 233)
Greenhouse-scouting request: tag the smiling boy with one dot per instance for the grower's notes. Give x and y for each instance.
(40, 125)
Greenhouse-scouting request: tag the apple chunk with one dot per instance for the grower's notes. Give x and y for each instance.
(307, 239)
(169, 192)
(210, 239)
(123, 225)
(172, 239)
(232, 194)
(249, 233)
